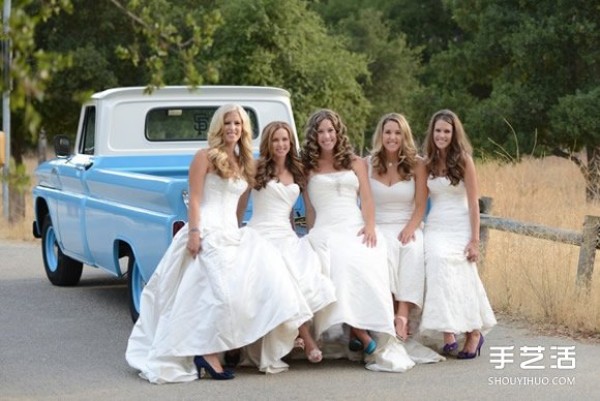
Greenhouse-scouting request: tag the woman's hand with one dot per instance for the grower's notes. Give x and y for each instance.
(472, 251)
(369, 236)
(406, 235)
(194, 243)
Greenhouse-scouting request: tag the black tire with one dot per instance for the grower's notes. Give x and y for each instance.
(60, 269)
(135, 285)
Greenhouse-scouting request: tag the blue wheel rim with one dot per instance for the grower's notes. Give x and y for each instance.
(51, 250)
(137, 285)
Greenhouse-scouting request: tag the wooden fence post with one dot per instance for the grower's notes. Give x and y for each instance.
(587, 251)
(485, 207)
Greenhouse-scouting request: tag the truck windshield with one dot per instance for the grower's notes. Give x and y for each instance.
(185, 123)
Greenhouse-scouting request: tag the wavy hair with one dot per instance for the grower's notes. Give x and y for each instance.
(458, 148)
(407, 154)
(342, 152)
(265, 170)
(217, 154)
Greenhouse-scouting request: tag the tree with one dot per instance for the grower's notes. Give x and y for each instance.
(164, 40)
(516, 64)
(30, 71)
(392, 83)
(269, 42)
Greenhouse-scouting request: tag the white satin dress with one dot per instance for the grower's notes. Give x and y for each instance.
(271, 211)
(235, 292)
(455, 299)
(360, 274)
(394, 206)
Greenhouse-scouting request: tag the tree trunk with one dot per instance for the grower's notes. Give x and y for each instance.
(16, 204)
(592, 184)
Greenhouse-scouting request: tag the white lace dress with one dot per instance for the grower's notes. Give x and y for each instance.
(455, 299)
(360, 274)
(236, 291)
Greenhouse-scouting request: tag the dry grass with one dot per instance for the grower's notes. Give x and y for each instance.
(526, 278)
(531, 278)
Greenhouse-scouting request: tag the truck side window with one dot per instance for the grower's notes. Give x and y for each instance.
(185, 123)
(88, 132)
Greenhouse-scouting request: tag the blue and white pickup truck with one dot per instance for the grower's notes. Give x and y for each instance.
(118, 199)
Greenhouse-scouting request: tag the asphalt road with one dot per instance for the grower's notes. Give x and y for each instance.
(69, 343)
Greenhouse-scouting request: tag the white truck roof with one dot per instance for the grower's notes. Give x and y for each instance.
(120, 114)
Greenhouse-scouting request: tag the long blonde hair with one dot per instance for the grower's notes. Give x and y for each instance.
(216, 153)
(407, 154)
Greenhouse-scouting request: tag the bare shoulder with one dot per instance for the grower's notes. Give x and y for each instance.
(358, 164)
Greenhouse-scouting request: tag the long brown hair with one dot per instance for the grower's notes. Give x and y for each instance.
(457, 150)
(343, 153)
(265, 170)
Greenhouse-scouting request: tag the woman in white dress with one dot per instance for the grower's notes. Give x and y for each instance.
(279, 180)
(399, 185)
(455, 300)
(345, 237)
(218, 287)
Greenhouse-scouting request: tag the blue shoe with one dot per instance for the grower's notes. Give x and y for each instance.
(355, 345)
(371, 347)
(201, 363)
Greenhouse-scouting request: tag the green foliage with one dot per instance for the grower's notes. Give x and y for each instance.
(515, 61)
(392, 83)
(170, 37)
(17, 179)
(575, 120)
(269, 42)
(31, 67)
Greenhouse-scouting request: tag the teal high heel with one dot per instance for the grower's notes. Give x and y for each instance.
(371, 347)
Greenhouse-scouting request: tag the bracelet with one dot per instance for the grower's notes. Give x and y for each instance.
(194, 230)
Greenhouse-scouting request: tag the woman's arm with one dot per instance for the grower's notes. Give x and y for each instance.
(242, 205)
(367, 206)
(197, 176)
(309, 211)
(472, 249)
(421, 192)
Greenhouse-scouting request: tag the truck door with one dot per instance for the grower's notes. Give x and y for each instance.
(70, 211)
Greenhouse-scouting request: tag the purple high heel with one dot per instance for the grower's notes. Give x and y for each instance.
(472, 355)
(449, 348)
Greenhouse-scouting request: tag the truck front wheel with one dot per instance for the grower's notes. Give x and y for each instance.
(60, 269)
(135, 284)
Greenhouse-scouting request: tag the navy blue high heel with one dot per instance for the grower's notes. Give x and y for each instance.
(202, 363)
(472, 355)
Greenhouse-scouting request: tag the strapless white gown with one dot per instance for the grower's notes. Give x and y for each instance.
(360, 274)
(455, 299)
(394, 206)
(235, 292)
(271, 211)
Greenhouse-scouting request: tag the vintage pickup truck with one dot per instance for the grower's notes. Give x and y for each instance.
(118, 199)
